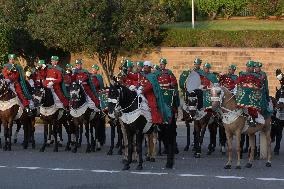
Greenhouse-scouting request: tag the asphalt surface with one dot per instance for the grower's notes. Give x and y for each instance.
(31, 169)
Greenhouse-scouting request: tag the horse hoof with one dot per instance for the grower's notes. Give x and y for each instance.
(33, 146)
(193, 149)
(209, 153)
(98, 149)
(41, 150)
(67, 148)
(223, 153)
(119, 152)
(152, 160)
(15, 141)
(268, 164)
(177, 151)
(117, 145)
(197, 155)
(139, 167)
(60, 145)
(124, 161)
(227, 167)
(238, 167)
(110, 153)
(55, 150)
(74, 150)
(245, 150)
(248, 165)
(134, 161)
(169, 165)
(186, 148)
(126, 167)
(5, 148)
(25, 147)
(276, 153)
(159, 153)
(147, 159)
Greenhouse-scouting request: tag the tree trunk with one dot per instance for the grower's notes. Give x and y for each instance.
(108, 63)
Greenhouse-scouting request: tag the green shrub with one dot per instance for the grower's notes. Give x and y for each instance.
(185, 37)
(4, 45)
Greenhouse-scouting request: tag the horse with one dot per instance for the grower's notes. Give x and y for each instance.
(224, 102)
(83, 115)
(52, 116)
(10, 110)
(122, 104)
(278, 119)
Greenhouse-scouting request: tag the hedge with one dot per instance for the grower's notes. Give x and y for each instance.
(184, 37)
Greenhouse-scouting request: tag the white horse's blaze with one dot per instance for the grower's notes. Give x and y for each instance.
(111, 100)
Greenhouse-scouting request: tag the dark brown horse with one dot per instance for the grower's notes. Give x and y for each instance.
(10, 110)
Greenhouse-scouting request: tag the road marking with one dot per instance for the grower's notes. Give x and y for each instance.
(31, 168)
(270, 179)
(190, 175)
(63, 169)
(105, 171)
(2, 166)
(148, 173)
(229, 177)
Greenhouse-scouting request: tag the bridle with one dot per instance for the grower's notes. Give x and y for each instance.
(220, 98)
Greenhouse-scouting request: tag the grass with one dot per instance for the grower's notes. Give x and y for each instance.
(231, 25)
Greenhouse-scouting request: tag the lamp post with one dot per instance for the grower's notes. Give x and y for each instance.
(192, 13)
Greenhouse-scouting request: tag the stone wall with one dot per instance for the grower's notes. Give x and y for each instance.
(180, 59)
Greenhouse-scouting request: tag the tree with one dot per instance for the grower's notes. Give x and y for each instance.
(102, 28)
(4, 45)
(231, 7)
(211, 7)
(265, 8)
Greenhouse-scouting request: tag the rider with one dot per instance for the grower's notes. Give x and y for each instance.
(149, 86)
(40, 73)
(54, 80)
(84, 78)
(207, 80)
(229, 80)
(68, 77)
(13, 73)
(265, 89)
(249, 93)
(97, 78)
(167, 80)
(128, 65)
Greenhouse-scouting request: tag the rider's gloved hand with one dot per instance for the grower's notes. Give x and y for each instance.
(8, 80)
(43, 66)
(80, 82)
(50, 84)
(132, 87)
(140, 90)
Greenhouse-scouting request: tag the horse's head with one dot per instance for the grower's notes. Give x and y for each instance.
(39, 93)
(217, 95)
(191, 102)
(280, 98)
(113, 99)
(75, 89)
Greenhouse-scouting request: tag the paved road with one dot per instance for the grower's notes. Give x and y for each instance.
(28, 169)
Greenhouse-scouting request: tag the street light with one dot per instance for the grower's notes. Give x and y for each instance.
(192, 13)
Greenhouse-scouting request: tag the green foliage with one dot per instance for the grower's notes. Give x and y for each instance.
(182, 37)
(4, 45)
(180, 10)
(210, 7)
(265, 8)
(232, 7)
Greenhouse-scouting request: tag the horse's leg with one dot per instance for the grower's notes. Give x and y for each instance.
(81, 134)
(171, 142)
(196, 139)
(252, 149)
(93, 126)
(213, 132)
(186, 148)
(125, 141)
(10, 135)
(268, 142)
(26, 137)
(76, 130)
(87, 134)
(139, 141)
(46, 126)
(229, 136)
(0, 133)
(112, 136)
(55, 130)
(238, 141)
(59, 137)
(153, 151)
(159, 143)
(148, 147)
(17, 131)
(129, 149)
(33, 133)
(6, 135)
(222, 139)
(278, 135)
(50, 133)
(120, 139)
(67, 127)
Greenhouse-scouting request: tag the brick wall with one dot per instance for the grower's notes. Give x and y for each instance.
(180, 59)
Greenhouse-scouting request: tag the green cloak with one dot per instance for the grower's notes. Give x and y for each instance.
(100, 78)
(21, 79)
(164, 109)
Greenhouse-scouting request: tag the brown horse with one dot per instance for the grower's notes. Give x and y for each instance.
(234, 121)
(10, 110)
